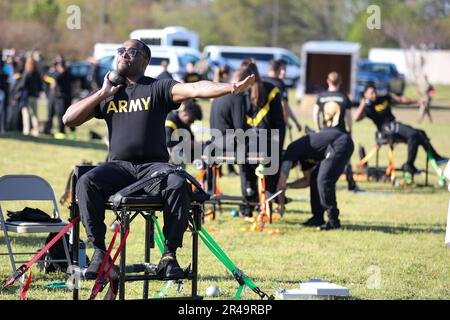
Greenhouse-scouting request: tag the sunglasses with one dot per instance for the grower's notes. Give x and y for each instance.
(132, 52)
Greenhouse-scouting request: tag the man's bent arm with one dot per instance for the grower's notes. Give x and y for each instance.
(83, 110)
(360, 114)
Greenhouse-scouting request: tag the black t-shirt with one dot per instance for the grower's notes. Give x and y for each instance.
(33, 83)
(174, 123)
(310, 150)
(270, 114)
(380, 111)
(192, 77)
(333, 106)
(280, 85)
(228, 112)
(135, 117)
(64, 85)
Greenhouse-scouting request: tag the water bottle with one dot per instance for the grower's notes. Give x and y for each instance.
(82, 255)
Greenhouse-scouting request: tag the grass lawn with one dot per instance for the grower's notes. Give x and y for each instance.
(391, 245)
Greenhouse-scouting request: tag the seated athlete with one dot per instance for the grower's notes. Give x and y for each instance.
(190, 112)
(322, 157)
(135, 114)
(379, 110)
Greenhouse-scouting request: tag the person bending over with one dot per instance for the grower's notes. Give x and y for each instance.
(322, 157)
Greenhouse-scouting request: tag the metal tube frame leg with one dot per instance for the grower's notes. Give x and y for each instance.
(197, 218)
(149, 234)
(125, 225)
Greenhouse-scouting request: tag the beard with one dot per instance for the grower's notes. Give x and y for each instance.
(127, 68)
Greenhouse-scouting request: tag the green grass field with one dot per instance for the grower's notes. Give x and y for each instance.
(391, 245)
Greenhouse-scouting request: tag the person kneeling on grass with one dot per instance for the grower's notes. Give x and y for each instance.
(135, 114)
(322, 157)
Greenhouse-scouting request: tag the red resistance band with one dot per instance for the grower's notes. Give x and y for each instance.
(24, 268)
(103, 275)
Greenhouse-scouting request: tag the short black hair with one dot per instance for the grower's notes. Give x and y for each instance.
(145, 49)
(276, 66)
(369, 86)
(193, 108)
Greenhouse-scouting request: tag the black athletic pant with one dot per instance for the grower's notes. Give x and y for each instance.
(96, 186)
(249, 187)
(272, 181)
(51, 112)
(414, 137)
(325, 175)
(61, 106)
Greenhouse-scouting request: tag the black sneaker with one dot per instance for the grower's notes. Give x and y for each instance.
(410, 169)
(96, 262)
(442, 160)
(313, 222)
(330, 225)
(355, 188)
(168, 267)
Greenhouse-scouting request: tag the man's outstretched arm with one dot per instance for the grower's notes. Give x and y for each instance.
(208, 89)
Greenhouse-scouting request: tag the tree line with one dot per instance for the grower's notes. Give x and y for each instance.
(41, 24)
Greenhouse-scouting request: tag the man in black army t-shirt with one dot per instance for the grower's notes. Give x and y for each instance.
(135, 114)
(333, 107)
(379, 110)
(322, 157)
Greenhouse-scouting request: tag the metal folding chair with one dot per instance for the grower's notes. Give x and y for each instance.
(28, 188)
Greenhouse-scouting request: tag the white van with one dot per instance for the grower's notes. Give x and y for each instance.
(170, 36)
(178, 58)
(233, 57)
(105, 52)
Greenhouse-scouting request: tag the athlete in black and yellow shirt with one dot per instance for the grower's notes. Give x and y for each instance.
(135, 114)
(263, 112)
(182, 120)
(379, 110)
(322, 157)
(333, 110)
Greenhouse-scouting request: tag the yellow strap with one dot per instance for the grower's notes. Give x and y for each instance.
(264, 110)
(49, 80)
(17, 76)
(171, 124)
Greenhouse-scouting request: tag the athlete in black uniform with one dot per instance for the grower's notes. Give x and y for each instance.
(322, 157)
(263, 112)
(135, 114)
(276, 69)
(379, 110)
(333, 110)
(190, 112)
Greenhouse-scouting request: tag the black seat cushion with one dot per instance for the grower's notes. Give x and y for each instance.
(197, 196)
(383, 138)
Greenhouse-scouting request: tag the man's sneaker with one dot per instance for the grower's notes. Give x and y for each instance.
(442, 160)
(96, 262)
(355, 188)
(410, 169)
(59, 136)
(168, 267)
(313, 222)
(330, 225)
